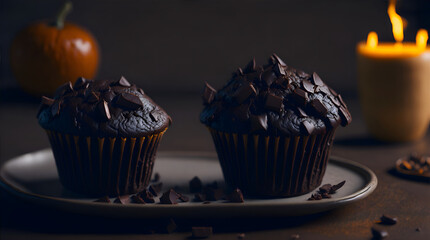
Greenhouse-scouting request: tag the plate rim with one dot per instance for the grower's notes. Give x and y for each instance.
(370, 186)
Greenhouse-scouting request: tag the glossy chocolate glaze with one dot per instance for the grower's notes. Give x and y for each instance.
(102, 108)
(274, 99)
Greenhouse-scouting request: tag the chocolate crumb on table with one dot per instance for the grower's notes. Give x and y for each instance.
(378, 233)
(388, 220)
(414, 165)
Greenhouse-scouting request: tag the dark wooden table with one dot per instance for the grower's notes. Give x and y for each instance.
(408, 200)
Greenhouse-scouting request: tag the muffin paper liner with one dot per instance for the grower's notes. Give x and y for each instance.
(104, 166)
(273, 166)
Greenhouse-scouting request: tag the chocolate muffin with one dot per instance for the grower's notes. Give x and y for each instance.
(273, 127)
(104, 135)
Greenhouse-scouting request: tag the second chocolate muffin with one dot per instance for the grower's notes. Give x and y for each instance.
(273, 127)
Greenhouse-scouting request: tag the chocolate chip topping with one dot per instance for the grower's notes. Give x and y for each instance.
(103, 108)
(208, 94)
(268, 98)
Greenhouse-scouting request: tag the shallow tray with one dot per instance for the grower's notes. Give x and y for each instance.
(33, 177)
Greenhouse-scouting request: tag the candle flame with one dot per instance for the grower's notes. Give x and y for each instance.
(372, 40)
(422, 37)
(396, 21)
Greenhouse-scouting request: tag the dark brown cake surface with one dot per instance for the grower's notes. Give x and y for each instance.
(274, 99)
(102, 108)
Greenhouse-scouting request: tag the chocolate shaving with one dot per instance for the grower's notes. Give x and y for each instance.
(208, 94)
(279, 60)
(80, 82)
(128, 101)
(123, 82)
(279, 70)
(169, 197)
(273, 102)
(317, 80)
(326, 190)
(201, 232)
(258, 122)
(104, 199)
(244, 92)
(104, 110)
(336, 187)
(308, 86)
(93, 97)
(239, 72)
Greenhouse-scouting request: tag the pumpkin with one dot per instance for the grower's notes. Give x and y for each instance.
(46, 55)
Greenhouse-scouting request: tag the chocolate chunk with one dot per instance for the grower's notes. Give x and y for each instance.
(385, 219)
(317, 80)
(169, 197)
(241, 236)
(141, 91)
(325, 195)
(93, 97)
(124, 199)
(336, 187)
(279, 60)
(63, 89)
(239, 72)
(236, 196)
(307, 127)
(155, 188)
(315, 196)
(199, 197)
(147, 196)
(308, 86)
(326, 188)
(104, 199)
(47, 101)
(55, 108)
(137, 199)
(104, 110)
(279, 70)
(201, 232)
(258, 122)
(302, 112)
(319, 107)
(244, 92)
(345, 116)
(379, 233)
(273, 103)
(195, 185)
(80, 82)
(208, 94)
(128, 101)
(269, 77)
(123, 82)
(250, 67)
(300, 96)
(156, 177)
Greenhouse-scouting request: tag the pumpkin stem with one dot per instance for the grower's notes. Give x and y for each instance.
(61, 16)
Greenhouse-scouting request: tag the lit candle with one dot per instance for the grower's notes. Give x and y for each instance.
(394, 83)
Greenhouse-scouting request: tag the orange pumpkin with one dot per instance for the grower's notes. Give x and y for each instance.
(45, 56)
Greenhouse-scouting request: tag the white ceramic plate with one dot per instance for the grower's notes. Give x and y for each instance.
(33, 177)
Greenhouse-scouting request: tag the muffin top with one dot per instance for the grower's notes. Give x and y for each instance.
(102, 108)
(274, 99)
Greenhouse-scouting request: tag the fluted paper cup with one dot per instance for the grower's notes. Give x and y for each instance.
(104, 166)
(273, 166)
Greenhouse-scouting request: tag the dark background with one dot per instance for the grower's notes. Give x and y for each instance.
(176, 45)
